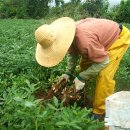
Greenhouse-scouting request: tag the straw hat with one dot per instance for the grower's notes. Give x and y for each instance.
(53, 41)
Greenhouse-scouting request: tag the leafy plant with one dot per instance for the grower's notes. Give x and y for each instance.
(21, 76)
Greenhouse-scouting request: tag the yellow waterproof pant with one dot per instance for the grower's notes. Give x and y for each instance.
(105, 83)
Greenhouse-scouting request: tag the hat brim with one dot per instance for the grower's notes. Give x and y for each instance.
(53, 55)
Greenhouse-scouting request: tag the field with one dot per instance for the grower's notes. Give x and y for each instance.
(21, 76)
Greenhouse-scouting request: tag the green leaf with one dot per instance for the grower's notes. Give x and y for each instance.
(96, 126)
(55, 100)
(29, 104)
(77, 127)
(18, 99)
(49, 126)
(3, 128)
(28, 83)
(51, 106)
(61, 123)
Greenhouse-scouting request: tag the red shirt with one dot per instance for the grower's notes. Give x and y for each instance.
(93, 37)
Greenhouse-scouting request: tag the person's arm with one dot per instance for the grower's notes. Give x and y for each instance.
(70, 68)
(93, 70)
(71, 63)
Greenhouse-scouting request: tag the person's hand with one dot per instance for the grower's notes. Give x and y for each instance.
(65, 76)
(79, 85)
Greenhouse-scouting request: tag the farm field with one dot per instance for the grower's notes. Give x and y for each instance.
(21, 77)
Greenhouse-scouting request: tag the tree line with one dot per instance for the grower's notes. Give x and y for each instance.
(76, 9)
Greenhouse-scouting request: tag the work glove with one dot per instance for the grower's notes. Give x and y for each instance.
(79, 85)
(65, 76)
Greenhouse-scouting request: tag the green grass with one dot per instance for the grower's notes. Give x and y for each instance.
(21, 76)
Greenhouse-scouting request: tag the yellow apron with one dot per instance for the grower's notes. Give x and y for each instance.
(105, 83)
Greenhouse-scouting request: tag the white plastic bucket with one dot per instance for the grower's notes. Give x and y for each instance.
(118, 111)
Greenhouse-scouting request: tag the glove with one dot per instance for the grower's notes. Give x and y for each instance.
(79, 85)
(65, 76)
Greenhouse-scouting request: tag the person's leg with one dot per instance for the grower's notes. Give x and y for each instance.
(105, 83)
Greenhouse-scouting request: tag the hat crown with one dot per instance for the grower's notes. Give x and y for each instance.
(45, 36)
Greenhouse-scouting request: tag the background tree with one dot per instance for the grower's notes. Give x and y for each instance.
(57, 2)
(24, 8)
(37, 8)
(96, 8)
(75, 1)
(13, 8)
(75, 9)
(123, 11)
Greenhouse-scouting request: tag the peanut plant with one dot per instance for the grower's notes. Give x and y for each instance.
(21, 77)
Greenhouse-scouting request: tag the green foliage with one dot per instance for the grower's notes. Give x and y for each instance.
(123, 73)
(69, 9)
(21, 76)
(75, 9)
(123, 12)
(13, 8)
(78, 10)
(75, 1)
(37, 8)
(23, 8)
(59, 2)
(96, 8)
(112, 12)
(120, 12)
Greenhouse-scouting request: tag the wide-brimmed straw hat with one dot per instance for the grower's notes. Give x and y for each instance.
(54, 40)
